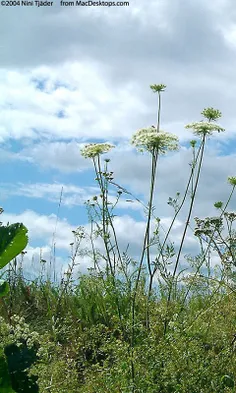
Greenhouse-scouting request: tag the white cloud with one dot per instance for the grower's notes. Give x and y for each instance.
(42, 227)
(66, 194)
(77, 91)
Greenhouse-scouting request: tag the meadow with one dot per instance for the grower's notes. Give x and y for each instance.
(127, 326)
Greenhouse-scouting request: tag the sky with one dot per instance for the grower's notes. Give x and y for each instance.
(76, 75)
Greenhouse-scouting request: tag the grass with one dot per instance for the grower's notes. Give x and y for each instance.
(82, 347)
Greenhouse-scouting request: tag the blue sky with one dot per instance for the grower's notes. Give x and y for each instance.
(73, 76)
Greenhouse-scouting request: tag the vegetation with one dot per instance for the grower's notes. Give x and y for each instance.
(128, 326)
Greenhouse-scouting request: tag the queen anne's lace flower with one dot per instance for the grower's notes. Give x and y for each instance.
(211, 114)
(204, 128)
(94, 149)
(149, 139)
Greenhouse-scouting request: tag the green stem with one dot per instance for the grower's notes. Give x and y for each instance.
(146, 236)
(104, 210)
(208, 247)
(173, 220)
(185, 230)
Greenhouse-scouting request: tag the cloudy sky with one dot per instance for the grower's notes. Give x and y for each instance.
(74, 75)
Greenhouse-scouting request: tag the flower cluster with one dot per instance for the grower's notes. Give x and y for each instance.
(204, 128)
(211, 114)
(157, 88)
(18, 332)
(94, 149)
(149, 139)
(208, 225)
(232, 180)
(231, 216)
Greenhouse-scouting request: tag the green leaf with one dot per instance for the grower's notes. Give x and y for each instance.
(5, 382)
(13, 240)
(4, 288)
(227, 381)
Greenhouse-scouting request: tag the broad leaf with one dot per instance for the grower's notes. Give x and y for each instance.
(13, 240)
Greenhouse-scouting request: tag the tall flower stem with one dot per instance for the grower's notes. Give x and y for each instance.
(106, 219)
(98, 171)
(174, 218)
(146, 236)
(152, 275)
(150, 204)
(185, 229)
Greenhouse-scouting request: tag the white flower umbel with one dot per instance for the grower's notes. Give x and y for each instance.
(95, 149)
(204, 128)
(149, 139)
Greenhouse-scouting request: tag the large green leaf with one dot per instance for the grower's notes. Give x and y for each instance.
(4, 288)
(13, 240)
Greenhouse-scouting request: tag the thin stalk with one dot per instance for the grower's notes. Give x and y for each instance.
(174, 218)
(69, 275)
(105, 219)
(185, 229)
(146, 236)
(53, 249)
(153, 175)
(210, 241)
(104, 208)
(152, 187)
(96, 266)
(195, 159)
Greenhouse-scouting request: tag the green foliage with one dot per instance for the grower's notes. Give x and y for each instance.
(13, 240)
(18, 352)
(89, 344)
(227, 381)
(4, 288)
(5, 382)
(19, 359)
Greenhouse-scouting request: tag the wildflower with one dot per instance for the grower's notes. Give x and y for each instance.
(204, 128)
(208, 225)
(232, 180)
(211, 114)
(231, 216)
(94, 149)
(157, 88)
(149, 139)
